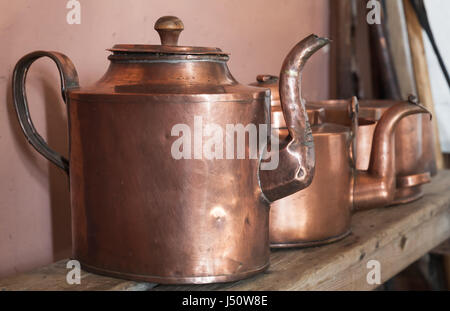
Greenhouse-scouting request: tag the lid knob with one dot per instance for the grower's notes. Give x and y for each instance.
(169, 29)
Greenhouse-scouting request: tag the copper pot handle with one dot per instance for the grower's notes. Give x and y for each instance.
(69, 80)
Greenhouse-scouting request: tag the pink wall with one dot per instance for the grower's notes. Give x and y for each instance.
(34, 198)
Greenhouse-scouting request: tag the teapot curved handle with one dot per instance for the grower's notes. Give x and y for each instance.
(69, 80)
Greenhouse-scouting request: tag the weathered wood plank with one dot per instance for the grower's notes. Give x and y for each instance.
(399, 46)
(421, 73)
(53, 277)
(341, 81)
(395, 236)
(350, 59)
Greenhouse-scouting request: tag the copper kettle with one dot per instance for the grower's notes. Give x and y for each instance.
(138, 212)
(414, 152)
(321, 213)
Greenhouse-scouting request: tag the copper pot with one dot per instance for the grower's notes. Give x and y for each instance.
(139, 213)
(414, 152)
(321, 213)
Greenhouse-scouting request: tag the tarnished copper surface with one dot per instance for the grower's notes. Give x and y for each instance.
(414, 150)
(376, 187)
(137, 212)
(321, 213)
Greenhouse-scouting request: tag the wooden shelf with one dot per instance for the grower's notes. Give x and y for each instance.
(395, 236)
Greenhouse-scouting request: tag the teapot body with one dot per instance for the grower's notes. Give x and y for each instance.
(145, 207)
(321, 213)
(138, 212)
(414, 152)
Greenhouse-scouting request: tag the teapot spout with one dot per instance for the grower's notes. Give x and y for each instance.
(376, 186)
(296, 158)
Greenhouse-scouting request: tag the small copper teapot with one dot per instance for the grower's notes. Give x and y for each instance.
(321, 213)
(414, 152)
(138, 211)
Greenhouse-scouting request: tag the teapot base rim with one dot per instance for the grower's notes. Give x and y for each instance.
(169, 280)
(305, 244)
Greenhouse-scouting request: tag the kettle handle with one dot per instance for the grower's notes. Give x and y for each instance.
(69, 80)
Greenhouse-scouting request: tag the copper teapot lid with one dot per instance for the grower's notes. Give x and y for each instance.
(169, 29)
(269, 82)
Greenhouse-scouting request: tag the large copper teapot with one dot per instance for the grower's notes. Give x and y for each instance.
(321, 213)
(414, 152)
(140, 213)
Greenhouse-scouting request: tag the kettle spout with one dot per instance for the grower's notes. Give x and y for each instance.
(376, 186)
(296, 158)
